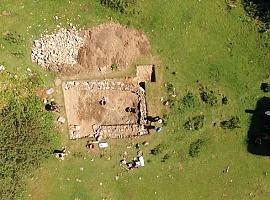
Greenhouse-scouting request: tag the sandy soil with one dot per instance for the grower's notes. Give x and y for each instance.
(83, 108)
(112, 43)
(109, 44)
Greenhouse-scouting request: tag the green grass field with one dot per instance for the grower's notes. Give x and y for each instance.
(192, 40)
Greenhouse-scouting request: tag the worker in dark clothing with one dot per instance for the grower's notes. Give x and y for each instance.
(52, 107)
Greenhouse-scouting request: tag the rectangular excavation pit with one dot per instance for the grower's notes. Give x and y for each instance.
(110, 108)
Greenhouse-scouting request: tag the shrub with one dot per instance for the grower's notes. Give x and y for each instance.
(114, 67)
(118, 5)
(231, 4)
(224, 100)
(165, 157)
(195, 147)
(158, 149)
(232, 123)
(195, 123)
(188, 100)
(169, 87)
(259, 10)
(18, 54)
(209, 97)
(13, 38)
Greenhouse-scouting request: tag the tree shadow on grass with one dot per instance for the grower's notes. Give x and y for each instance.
(258, 9)
(259, 131)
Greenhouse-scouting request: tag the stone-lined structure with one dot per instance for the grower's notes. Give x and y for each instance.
(105, 131)
(119, 131)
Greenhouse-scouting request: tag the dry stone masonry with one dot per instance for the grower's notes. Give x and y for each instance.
(119, 131)
(52, 51)
(74, 131)
(114, 131)
(102, 85)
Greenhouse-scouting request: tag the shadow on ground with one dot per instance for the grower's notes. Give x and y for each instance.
(259, 130)
(258, 9)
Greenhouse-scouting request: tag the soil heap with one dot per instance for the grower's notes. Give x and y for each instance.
(94, 50)
(112, 44)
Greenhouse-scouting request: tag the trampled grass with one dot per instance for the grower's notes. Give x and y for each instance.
(198, 40)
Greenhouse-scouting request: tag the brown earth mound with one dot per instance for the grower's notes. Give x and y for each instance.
(109, 44)
(91, 51)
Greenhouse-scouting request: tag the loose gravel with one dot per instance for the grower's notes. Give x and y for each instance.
(52, 51)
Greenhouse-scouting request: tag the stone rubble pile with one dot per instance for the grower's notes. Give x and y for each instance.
(142, 107)
(101, 85)
(119, 131)
(52, 51)
(74, 132)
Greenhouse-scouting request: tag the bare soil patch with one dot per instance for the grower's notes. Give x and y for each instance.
(109, 44)
(89, 52)
(106, 45)
(84, 110)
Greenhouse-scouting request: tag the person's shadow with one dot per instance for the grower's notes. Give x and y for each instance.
(259, 130)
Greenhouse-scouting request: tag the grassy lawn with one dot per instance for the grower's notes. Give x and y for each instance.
(191, 40)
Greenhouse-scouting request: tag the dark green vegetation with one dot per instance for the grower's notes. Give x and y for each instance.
(158, 149)
(259, 10)
(195, 147)
(195, 123)
(232, 123)
(189, 100)
(122, 6)
(203, 41)
(26, 132)
(209, 97)
(114, 67)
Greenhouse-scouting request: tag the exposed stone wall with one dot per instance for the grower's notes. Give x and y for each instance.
(101, 85)
(118, 130)
(74, 131)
